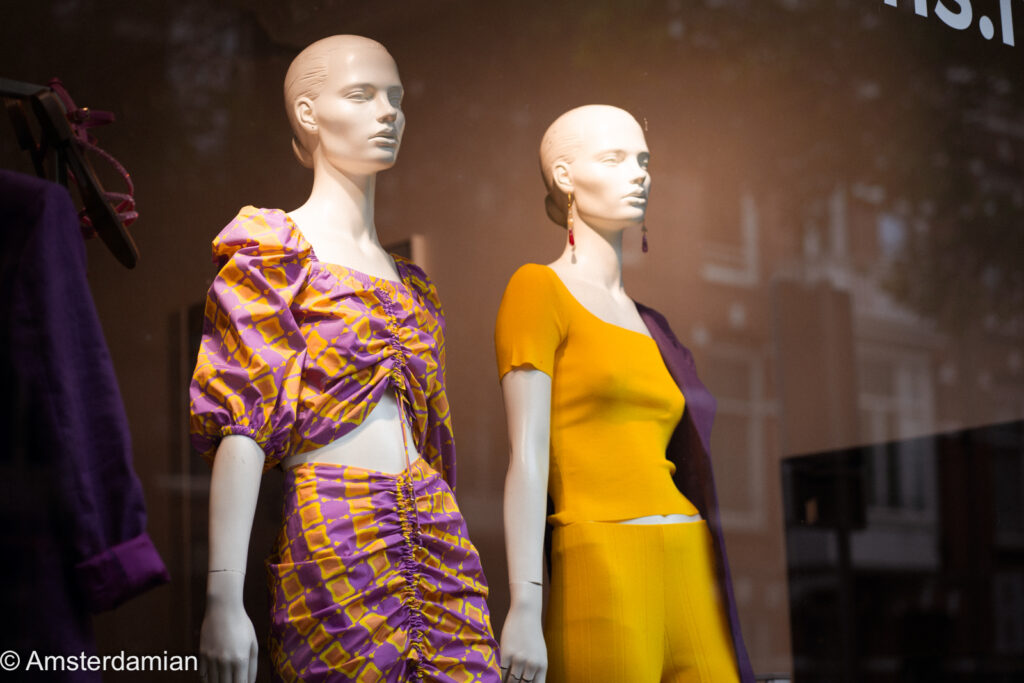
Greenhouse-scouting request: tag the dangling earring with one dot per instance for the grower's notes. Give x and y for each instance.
(568, 222)
(643, 244)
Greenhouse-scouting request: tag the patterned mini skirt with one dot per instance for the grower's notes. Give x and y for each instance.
(374, 578)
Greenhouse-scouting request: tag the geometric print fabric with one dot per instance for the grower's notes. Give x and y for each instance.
(374, 579)
(296, 353)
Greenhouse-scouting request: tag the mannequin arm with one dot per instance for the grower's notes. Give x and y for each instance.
(227, 640)
(527, 394)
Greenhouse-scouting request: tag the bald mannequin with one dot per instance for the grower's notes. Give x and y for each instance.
(343, 98)
(596, 154)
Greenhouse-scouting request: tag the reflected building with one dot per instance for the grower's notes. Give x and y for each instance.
(807, 347)
(923, 584)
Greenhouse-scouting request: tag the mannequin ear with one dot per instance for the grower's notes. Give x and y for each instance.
(305, 114)
(562, 177)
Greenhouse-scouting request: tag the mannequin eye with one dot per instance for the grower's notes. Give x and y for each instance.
(611, 157)
(359, 95)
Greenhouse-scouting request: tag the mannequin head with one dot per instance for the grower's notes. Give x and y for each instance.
(598, 153)
(343, 97)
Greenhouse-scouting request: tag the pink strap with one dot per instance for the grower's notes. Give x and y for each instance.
(81, 120)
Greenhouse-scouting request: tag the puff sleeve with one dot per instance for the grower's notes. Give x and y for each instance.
(250, 360)
(530, 325)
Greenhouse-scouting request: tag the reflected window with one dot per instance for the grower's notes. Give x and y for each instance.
(731, 244)
(892, 235)
(744, 423)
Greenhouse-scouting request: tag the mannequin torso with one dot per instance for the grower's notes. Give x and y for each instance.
(610, 304)
(376, 444)
(613, 306)
(382, 441)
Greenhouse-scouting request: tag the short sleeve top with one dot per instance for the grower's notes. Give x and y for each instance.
(614, 405)
(296, 352)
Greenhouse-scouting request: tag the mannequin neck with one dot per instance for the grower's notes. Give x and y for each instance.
(597, 257)
(339, 207)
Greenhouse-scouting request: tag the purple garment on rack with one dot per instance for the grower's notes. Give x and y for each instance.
(690, 450)
(72, 515)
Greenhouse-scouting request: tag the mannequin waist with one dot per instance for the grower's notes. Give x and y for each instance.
(592, 482)
(376, 444)
(662, 519)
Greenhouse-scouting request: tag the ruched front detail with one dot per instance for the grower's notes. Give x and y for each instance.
(374, 579)
(410, 569)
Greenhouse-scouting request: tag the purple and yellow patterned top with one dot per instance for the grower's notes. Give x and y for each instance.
(297, 352)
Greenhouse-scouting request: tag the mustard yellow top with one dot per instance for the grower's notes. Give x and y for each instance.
(614, 405)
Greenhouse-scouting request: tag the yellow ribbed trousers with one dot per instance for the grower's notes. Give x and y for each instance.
(635, 603)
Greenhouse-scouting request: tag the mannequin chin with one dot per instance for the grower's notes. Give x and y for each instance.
(343, 95)
(356, 118)
(599, 154)
(342, 83)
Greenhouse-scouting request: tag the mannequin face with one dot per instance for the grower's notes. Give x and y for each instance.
(608, 177)
(357, 117)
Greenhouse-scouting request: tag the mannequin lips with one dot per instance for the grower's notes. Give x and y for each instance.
(386, 137)
(638, 194)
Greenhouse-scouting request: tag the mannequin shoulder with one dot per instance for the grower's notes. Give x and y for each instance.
(418, 280)
(261, 232)
(533, 281)
(534, 294)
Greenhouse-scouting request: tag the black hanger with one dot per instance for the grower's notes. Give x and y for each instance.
(56, 152)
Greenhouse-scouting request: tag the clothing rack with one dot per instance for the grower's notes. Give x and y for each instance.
(56, 153)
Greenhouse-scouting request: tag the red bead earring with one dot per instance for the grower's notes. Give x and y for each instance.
(568, 222)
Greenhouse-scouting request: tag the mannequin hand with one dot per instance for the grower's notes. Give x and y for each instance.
(524, 656)
(227, 644)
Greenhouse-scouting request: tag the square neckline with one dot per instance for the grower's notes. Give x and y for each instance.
(649, 336)
(396, 261)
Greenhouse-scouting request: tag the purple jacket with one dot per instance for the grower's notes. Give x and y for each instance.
(72, 515)
(690, 451)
